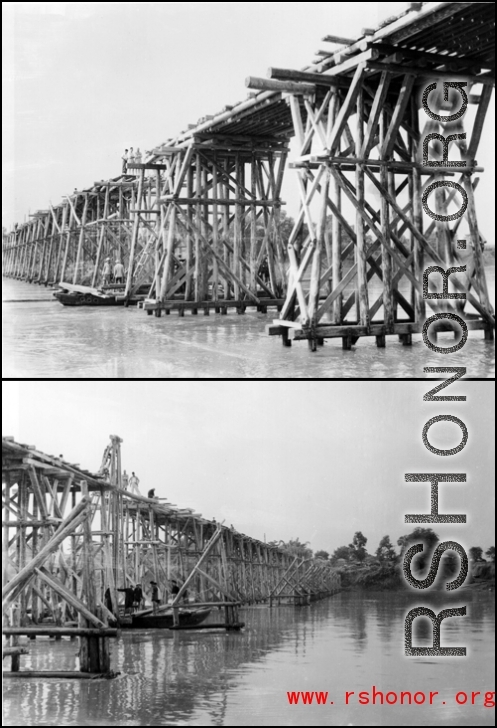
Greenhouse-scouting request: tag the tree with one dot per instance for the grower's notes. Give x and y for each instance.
(322, 555)
(295, 547)
(491, 553)
(476, 553)
(427, 537)
(358, 546)
(342, 552)
(385, 550)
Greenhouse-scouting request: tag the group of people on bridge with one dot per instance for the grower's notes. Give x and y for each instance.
(130, 482)
(112, 274)
(131, 157)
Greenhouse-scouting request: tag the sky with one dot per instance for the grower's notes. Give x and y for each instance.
(83, 81)
(278, 460)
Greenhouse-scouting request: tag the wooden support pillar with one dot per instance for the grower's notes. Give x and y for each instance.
(315, 284)
(336, 232)
(134, 237)
(362, 281)
(226, 231)
(198, 222)
(15, 621)
(417, 218)
(79, 253)
(238, 232)
(253, 225)
(386, 260)
(101, 239)
(215, 233)
(94, 651)
(476, 245)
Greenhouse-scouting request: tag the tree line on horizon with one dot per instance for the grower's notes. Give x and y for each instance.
(356, 552)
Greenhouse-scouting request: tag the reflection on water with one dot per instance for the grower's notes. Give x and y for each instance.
(44, 339)
(349, 642)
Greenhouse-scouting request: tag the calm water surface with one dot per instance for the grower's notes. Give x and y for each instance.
(349, 642)
(44, 339)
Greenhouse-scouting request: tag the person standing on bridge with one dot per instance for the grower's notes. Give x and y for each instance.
(138, 597)
(124, 480)
(125, 161)
(108, 600)
(118, 272)
(138, 156)
(106, 272)
(128, 598)
(133, 484)
(155, 596)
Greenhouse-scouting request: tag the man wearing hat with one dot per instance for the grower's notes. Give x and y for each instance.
(106, 271)
(155, 596)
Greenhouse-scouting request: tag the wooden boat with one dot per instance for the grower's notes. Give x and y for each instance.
(72, 295)
(187, 618)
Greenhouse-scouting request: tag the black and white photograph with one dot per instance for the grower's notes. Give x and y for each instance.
(225, 192)
(246, 190)
(248, 553)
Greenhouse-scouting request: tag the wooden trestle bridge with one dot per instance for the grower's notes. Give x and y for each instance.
(199, 221)
(70, 535)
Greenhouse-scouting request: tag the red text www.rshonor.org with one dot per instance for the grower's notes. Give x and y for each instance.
(405, 697)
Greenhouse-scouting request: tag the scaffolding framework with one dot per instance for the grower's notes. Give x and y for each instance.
(363, 146)
(72, 539)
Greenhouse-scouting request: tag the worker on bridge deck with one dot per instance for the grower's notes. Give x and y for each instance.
(125, 161)
(118, 272)
(106, 272)
(133, 484)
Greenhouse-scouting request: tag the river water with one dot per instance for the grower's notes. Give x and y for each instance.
(42, 339)
(349, 642)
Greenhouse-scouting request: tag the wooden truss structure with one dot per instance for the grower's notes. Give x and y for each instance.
(70, 535)
(217, 205)
(367, 152)
(199, 223)
(70, 242)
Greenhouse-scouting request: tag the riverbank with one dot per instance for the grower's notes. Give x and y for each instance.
(389, 577)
